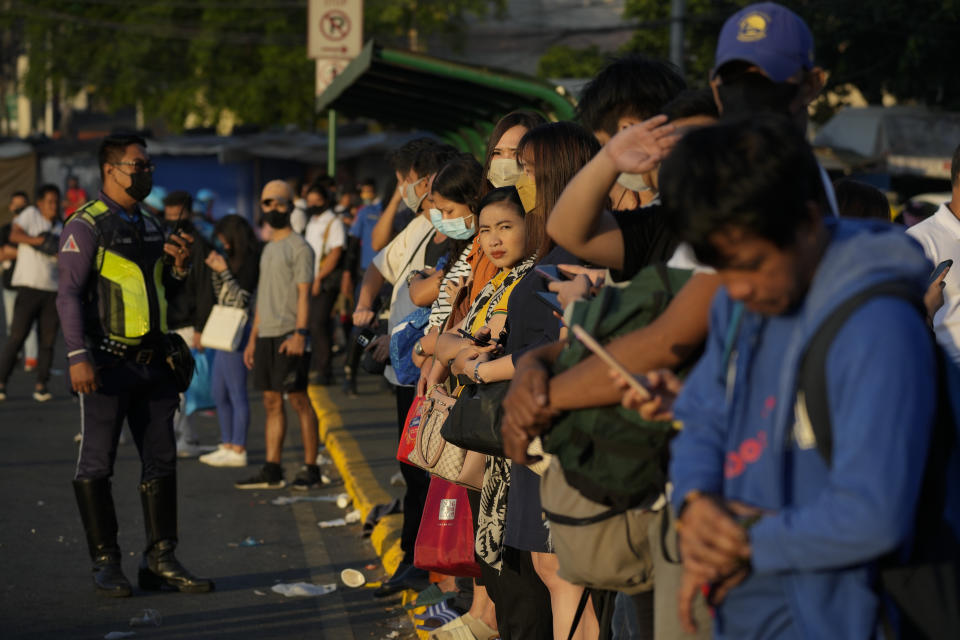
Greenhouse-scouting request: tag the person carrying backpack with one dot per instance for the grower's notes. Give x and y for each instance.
(783, 522)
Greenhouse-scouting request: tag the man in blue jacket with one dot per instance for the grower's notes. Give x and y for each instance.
(786, 542)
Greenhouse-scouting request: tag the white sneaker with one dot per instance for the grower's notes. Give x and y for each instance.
(225, 458)
(213, 455)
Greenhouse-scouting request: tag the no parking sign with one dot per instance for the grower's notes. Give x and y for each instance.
(335, 29)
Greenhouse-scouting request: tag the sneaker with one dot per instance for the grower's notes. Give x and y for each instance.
(308, 478)
(29, 364)
(42, 395)
(270, 476)
(225, 458)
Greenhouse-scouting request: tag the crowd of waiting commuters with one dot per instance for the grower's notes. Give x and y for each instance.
(742, 455)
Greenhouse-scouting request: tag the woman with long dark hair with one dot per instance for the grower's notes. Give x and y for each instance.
(234, 266)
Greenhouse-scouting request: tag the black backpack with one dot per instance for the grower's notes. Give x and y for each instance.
(926, 585)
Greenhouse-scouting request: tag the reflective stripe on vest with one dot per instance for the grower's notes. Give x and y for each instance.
(125, 293)
(127, 306)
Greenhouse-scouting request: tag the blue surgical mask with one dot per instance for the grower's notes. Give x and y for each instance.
(456, 228)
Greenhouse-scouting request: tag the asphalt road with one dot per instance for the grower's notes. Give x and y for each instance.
(46, 587)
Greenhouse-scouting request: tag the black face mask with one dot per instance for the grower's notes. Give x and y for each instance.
(315, 211)
(753, 93)
(277, 219)
(141, 184)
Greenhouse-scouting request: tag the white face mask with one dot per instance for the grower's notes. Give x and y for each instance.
(504, 172)
(633, 182)
(410, 197)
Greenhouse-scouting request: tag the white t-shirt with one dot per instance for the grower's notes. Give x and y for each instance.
(35, 269)
(298, 220)
(939, 235)
(404, 254)
(683, 258)
(314, 235)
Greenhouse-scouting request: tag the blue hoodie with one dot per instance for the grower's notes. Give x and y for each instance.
(812, 557)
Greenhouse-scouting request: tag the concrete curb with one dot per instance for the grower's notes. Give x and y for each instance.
(362, 486)
(358, 480)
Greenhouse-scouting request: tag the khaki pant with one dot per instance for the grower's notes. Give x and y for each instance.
(667, 572)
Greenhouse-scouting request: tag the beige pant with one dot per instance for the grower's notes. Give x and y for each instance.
(668, 572)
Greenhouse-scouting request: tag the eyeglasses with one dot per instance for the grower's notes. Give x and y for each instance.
(139, 166)
(269, 202)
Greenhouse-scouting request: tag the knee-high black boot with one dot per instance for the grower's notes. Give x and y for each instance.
(159, 568)
(100, 524)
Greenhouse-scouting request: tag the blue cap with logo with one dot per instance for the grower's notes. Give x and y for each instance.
(768, 35)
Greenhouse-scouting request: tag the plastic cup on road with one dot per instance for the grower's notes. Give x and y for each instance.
(352, 578)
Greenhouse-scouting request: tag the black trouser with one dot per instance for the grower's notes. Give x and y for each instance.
(146, 397)
(33, 305)
(418, 482)
(521, 599)
(321, 332)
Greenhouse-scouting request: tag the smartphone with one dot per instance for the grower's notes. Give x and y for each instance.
(550, 299)
(943, 266)
(365, 337)
(610, 361)
(550, 272)
(477, 341)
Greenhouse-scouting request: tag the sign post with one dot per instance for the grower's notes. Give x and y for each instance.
(334, 38)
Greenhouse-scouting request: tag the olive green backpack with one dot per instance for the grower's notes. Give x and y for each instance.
(610, 454)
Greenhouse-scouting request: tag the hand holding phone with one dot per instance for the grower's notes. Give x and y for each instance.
(550, 272)
(943, 266)
(477, 341)
(609, 360)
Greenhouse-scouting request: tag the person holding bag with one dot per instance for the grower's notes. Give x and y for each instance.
(234, 267)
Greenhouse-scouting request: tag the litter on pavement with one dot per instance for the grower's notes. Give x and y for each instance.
(352, 578)
(147, 618)
(285, 500)
(294, 589)
(336, 522)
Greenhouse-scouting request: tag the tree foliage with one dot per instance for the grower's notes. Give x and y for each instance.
(200, 57)
(561, 61)
(884, 46)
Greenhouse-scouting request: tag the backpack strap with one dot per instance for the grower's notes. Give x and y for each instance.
(812, 390)
(581, 607)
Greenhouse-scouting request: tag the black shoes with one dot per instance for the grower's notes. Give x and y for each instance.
(95, 502)
(270, 476)
(308, 478)
(160, 568)
(406, 576)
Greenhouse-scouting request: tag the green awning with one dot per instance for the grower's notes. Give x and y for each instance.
(456, 101)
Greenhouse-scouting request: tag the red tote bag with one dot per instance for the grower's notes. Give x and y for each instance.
(408, 439)
(445, 540)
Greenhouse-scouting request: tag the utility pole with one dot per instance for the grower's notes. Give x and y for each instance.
(678, 9)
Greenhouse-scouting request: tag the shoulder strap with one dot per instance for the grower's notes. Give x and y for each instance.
(90, 211)
(413, 255)
(581, 607)
(725, 372)
(812, 378)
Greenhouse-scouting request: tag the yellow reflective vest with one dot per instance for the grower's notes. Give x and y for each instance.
(130, 294)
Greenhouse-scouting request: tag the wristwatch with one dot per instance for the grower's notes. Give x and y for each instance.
(418, 348)
(303, 332)
(476, 374)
